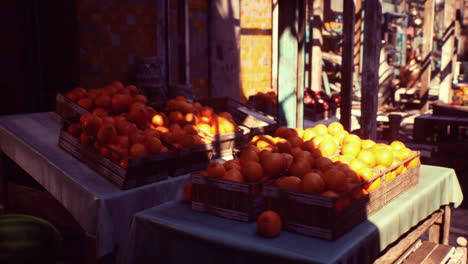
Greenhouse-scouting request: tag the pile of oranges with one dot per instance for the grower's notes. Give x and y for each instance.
(268, 99)
(188, 124)
(323, 160)
(117, 137)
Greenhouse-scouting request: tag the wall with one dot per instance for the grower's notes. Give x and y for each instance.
(112, 35)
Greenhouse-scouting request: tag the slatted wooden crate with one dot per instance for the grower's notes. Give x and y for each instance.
(320, 216)
(140, 171)
(239, 201)
(67, 110)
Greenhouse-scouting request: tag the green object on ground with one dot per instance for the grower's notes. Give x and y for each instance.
(28, 239)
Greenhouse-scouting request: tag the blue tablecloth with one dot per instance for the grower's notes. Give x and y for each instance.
(174, 233)
(102, 209)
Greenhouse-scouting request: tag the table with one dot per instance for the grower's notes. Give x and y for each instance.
(102, 209)
(174, 233)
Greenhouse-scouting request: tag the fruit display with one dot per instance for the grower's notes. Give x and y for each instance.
(265, 102)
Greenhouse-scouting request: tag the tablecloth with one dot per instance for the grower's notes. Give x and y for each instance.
(173, 233)
(102, 209)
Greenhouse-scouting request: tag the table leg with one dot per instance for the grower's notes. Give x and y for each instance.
(439, 232)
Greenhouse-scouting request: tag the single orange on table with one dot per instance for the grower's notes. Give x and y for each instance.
(269, 224)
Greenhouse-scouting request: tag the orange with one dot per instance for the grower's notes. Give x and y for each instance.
(341, 136)
(299, 168)
(284, 146)
(252, 171)
(153, 145)
(74, 130)
(103, 101)
(295, 141)
(86, 103)
(101, 112)
(356, 164)
(233, 175)
(269, 224)
(396, 145)
(367, 157)
(367, 144)
(122, 141)
(232, 164)
(312, 183)
(282, 132)
(159, 120)
(351, 149)
(106, 133)
(138, 150)
(305, 155)
(345, 159)
(121, 102)
(323, 163)
(215, 169)
(327, 147)
(368, 174)
(289, 183)
(288, 159)
(252, 147)
(412, 163)
(405, 153)
(140, 98)
(133, 89)
(273, 164)
(321, 130)
(352, 138)
(90, 124)
(335, 128)
(308, 134)
(335, 179)
(137, 137)
(248, 155)
(188, 192)
(176, 117)
(384, 157)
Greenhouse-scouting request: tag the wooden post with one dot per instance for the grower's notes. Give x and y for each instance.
(317, 43)
(274, 46)
(161, 39)
(301, 13)
(370, 78)
(357, 44)
(428, 33)
(448, 50)
(287, 67)
(347, 63)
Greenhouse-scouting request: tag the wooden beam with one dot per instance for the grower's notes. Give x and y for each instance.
(448, 50)
(317, 43)
(428, 33)
(370, 78)
(274, 46)
(301, 13)
(357, 44)
(287, 63)
(347, 67)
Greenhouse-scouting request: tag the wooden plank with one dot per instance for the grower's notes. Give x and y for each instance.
(370, 78)
(358, 44)
(317, 42)
(439, 255)
(434, 233)
(428, 33)
(3, 184)
(447, 59)
(274, 46)
(287, 78)
(394, 251)
(347, 64)
(421, 254)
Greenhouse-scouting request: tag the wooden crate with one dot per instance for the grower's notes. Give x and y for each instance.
(269, 110)
(67, 110)
(318, 216)
(239, 201)
(140, 171)
(192, 159)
